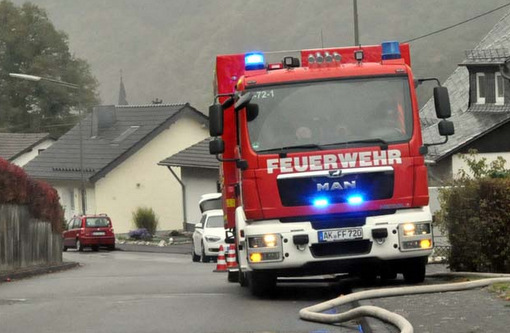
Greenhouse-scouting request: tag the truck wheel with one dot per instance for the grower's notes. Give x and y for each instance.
(261, 284)
(414, 271)
(388, 273)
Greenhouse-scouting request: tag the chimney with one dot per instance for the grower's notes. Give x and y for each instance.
(103, 116)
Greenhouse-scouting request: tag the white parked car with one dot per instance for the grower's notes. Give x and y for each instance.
(209, 234)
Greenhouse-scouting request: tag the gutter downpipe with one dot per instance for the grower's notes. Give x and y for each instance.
(185, 222)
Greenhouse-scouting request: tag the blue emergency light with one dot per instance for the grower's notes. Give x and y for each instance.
(390, 50)
(321, 202)
(355, 199)
(254, 61)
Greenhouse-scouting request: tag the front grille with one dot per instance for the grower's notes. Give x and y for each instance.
(341, 248)
(302, 191)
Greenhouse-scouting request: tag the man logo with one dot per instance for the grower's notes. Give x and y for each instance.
(336, 186)
(335, 173)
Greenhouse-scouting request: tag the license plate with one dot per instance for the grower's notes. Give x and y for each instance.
(338, 235)
(98, 233)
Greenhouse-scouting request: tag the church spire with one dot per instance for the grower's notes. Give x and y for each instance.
(122, 92)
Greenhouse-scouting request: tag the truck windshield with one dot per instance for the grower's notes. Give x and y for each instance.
(317, 114)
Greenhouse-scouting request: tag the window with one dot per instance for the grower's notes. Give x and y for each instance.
(71, 199)
(215, 222)
(97, 222)
(332, 112)
(77, 223)
(500, 89)
(125, 134)
(480, 88)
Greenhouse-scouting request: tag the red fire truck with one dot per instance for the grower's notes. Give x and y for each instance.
(322, 163)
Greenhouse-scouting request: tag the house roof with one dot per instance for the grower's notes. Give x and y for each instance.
(196, 156)
(12, 145)
(106, 145)
(477, 120)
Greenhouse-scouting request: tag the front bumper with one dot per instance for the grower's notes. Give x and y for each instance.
(212, 249)
(331, 257)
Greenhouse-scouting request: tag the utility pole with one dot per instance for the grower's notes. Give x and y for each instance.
(76, 88)
(356, 32)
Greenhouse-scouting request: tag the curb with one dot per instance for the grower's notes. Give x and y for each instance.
(36, 270)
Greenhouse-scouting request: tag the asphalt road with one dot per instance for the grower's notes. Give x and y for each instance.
(126, 292)
(152, 292)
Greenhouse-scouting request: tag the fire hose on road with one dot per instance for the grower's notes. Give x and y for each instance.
(314, 313)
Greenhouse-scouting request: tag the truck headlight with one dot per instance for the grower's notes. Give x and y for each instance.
(265, 248)
(415, 236)
(415, 229)
(212, 239)
(269, 240)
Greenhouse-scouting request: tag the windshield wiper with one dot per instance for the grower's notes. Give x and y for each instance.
(286, 148)
(381, 142)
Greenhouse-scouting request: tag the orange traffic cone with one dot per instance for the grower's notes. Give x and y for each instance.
(231, 257)
(221, 265)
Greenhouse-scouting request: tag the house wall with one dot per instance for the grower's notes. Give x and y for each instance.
(139, 181)
(440, 172)
(197, 181)
(490, 146)
(28, 156)
(70, 198)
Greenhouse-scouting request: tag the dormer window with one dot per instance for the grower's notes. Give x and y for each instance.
(500, 89)
(480, 88)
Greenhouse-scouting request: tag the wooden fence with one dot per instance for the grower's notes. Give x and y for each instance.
(25, 241)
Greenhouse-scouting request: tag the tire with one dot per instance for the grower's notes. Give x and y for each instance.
(204, 258)
(261, 284)
(194, 256)
(64, 248)
(388, 273)
(79, 245)
(414, 271)
(111, 247)
(367, 276)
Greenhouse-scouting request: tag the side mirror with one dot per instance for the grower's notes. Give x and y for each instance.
(215, 120)
(229, 237)
(216, 146)
(252, 111)
(442, 102)
(446, 128)
(198, 226)
(243, 101)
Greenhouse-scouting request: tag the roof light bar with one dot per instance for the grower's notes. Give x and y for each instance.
(254, 61)
(390, 50)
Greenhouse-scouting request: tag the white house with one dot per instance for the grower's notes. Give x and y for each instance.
(199, 175)
(121, 147)
(20, 148)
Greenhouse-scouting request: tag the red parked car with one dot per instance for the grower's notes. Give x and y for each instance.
(89, 231)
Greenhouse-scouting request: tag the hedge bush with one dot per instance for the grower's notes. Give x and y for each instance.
(145, 218)
(18, 189)
(475, 213)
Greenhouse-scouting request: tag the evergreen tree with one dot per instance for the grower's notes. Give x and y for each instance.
(30, 44)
